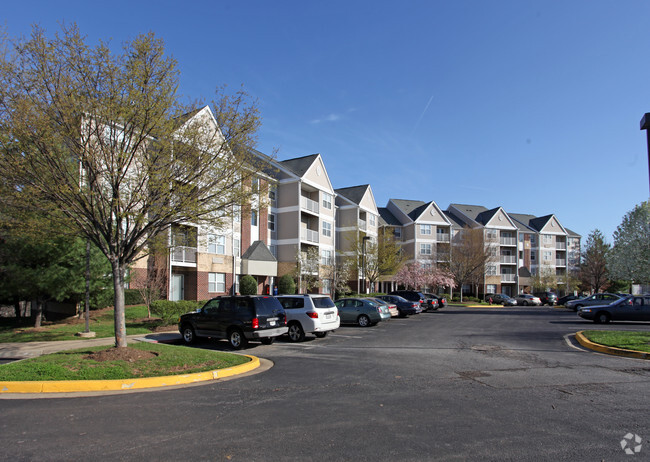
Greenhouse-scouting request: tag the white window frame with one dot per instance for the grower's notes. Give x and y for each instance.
(237, 247)
(217, 282)
(397, 232)
(327, 201)
(326, 257)
(271, 222)
(327, 229)
(426, 230)
(372, 220)
(547, 255)
(425, 249)
(254, 218)
(547, 238)
(212, 243)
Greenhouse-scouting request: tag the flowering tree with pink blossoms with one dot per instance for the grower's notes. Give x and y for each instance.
(416, 276)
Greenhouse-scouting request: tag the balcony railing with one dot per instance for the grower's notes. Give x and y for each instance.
(363, 225)
(442, 237)
(560, 262)
(309, 235)
(507, 278)
(508, 241)
(559, 245)
(512, 259)
(184, 254)
(309, 204)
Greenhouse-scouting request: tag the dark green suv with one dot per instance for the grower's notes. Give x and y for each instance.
(236, 318)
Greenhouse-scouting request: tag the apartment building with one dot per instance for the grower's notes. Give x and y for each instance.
(500, 235)
(421, 228)
(357, 221)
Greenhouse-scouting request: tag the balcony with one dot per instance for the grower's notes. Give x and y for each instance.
(507, 278)
(443, 237)
(560, 262)
(509, 259)
(559, 245)
(510, 241)
(309, 205)
(309, 235)
(363, 225)
(184, 254)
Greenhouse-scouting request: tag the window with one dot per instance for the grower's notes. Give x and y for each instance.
(532, 256)
(427, 266)
(547, 238)
(425, 229)
(216, 244)
(237, 248)
(327, 200)
(491, 288)
(272, 195)
(371, 219)
(397, 232)
(425, 249)
(491, 233)
(216, 282)
(491, 270)
(327, 286)
(253, 217)
(327, 229)
(237, 284)
(255, 184)
(271, 222)
(533, 239)
(547, 255)
(237, 213)
(326, 257)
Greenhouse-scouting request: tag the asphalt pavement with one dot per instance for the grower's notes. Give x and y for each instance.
(459, 384)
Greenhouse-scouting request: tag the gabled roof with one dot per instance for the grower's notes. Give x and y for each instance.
(454, 220)
(180, 120)
(540, 222)
(411, 208)
(485, 217)
(470, 211)
(386, 218)
(353, 193)
(258, 251)
(522, 221)
(300, 165)
(572, 233)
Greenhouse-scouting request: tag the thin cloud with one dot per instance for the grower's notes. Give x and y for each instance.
(421, 116)
(329, 118)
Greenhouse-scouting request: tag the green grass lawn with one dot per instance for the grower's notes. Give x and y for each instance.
(101, 322)
(639, 341)
(75, 364)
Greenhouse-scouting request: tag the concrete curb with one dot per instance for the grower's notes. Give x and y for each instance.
(585, 342)
(72, 386)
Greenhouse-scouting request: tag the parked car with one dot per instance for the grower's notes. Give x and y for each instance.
(412, 296)
(527, 299)
(360, 311)
(547, 298)
(501, 299)
(442, 301)
(630, 308)
(236, 318)
(430, 303)
(309, 314)
(566, 298)
(404, 306)
(392, 308)
(595, 299)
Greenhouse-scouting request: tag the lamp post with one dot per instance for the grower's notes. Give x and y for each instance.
(363, 260)
(645, 125)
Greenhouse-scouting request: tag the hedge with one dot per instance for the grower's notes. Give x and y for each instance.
(170, 311)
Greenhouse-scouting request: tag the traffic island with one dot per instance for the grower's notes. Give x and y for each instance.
(585, 342)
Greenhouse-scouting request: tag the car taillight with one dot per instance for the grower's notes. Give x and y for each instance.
(312, 314)
(256, 323)
(379, 309)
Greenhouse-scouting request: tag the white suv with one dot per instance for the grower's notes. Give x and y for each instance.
(312, 313)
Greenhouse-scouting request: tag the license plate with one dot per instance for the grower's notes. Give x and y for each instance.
(328, 316)
(272, 323)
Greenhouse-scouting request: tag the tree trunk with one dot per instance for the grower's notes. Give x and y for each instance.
(118, 304)
(37, 312)
(17, 309)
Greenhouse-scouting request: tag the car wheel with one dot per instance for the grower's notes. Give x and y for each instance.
(363, 321)
(577, 307)
(296, 332)
(602, 318)
(188, 334)
(267, 340)
(321, 334)
(237, 339)
(525, 303)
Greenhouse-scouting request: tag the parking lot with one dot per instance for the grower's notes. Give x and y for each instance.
(461, 383)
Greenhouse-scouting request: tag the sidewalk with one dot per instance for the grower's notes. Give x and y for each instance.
(33, 349)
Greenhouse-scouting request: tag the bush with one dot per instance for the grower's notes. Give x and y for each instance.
(101, 299)
(133, 297)
(286, 285)
(170, 311)
(248, 285)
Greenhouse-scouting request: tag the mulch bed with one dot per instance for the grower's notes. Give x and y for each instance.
(121, 354)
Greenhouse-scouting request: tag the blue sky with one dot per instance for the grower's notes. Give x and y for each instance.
(533, 106)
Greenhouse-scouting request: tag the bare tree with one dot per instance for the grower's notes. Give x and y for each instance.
(470, 254)
(104, 140)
